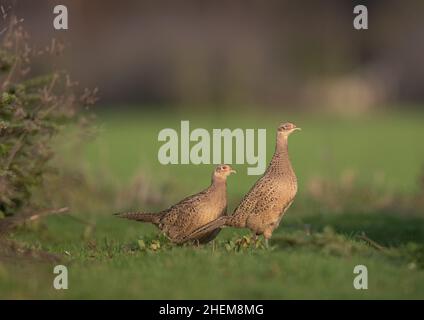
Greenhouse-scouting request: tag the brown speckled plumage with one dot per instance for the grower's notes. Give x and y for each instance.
(263, 207)
(193, 212)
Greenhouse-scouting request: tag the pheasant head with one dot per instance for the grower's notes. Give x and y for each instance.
(221, 172)
(287, 128)
(283, 132)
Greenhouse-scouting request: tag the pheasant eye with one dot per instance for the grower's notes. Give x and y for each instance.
(224, 167)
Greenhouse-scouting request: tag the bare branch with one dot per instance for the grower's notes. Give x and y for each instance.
(8, 224)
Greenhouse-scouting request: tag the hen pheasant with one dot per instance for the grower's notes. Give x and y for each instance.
(264, 205)
(192, 212)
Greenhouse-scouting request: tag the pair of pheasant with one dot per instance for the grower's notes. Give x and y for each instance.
(200, 217)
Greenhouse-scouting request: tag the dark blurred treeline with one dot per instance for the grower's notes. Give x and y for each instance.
(266, 53)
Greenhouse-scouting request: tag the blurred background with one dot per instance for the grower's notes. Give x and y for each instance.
(357, 95)
(297, 54)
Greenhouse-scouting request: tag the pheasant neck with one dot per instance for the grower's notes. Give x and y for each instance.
(219, 188)
(280, 163)
(218, 182)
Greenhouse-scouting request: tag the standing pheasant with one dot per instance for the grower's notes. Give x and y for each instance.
(193, 212)
(264, 205)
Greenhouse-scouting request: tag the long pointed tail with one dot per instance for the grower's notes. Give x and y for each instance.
(204, 230)
(140, 216)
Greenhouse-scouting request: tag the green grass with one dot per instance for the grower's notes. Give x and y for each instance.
(390, 145)
(107, 261)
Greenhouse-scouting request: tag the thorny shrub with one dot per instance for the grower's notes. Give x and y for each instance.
(33, 109)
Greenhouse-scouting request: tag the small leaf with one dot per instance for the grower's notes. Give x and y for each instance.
(141, 244)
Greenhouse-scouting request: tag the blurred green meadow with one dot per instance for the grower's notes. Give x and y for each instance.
(359, 202)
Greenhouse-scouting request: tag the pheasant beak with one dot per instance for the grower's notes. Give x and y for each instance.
(233, 171)
(299, 129)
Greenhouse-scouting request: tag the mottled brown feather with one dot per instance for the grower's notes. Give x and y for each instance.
(191, 213)
(263, 207)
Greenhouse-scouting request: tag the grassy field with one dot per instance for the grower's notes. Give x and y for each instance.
(312, 254)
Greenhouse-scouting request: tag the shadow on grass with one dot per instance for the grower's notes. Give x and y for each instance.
(386, 229)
